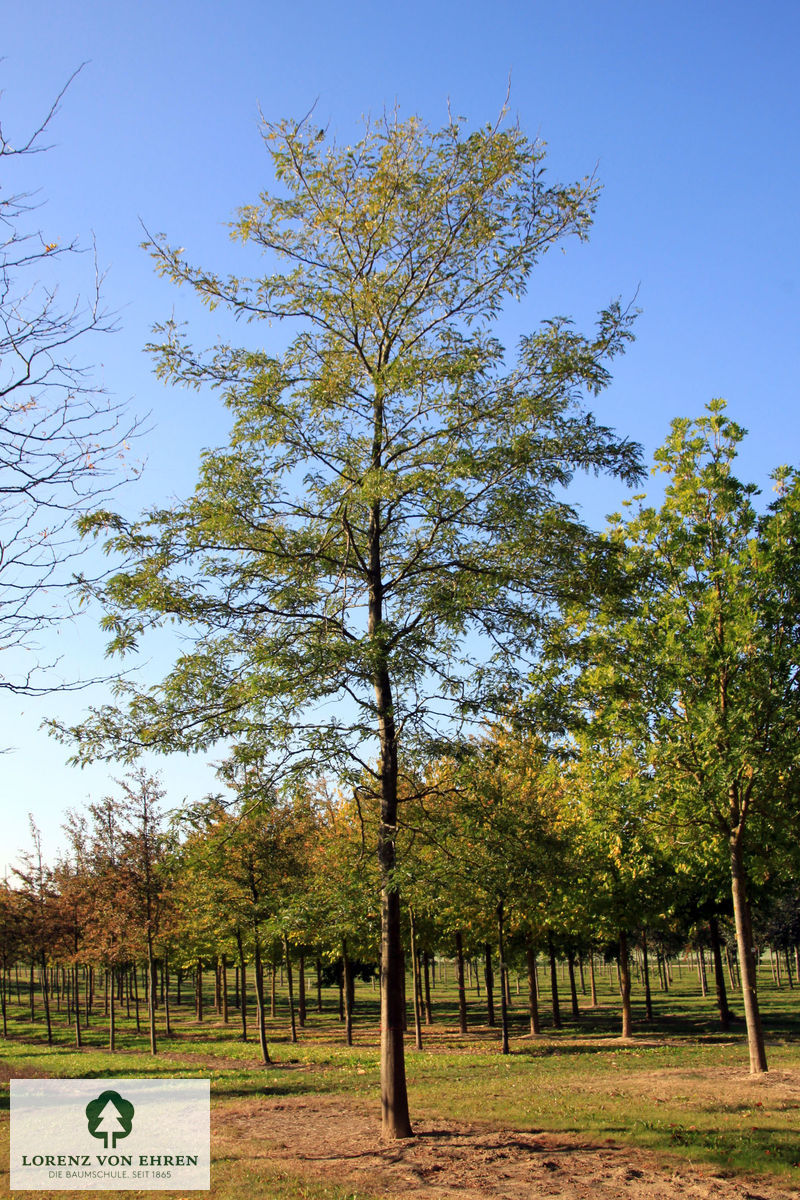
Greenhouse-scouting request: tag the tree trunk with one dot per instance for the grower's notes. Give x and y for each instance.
(502, 967)
(533, 989)
(301, 989)
(260, 1014)
(112, 1032)
(151, 998)
(165, 969)
(592, 979)
(198, 990)
(426, 963)
(77, 1007)
(290, 986)
(554, 984)
(462, 991)
(573, 992)
(625, 984)
(135, 986)
(648, 999)
(346, 994)
(46, 998)
(243, 978)
(341, 993)
(777, 958)
(719, 978)
(735, 981)
(488, 975)
(224, 974)
(747, 965)
(319, 986)
(701, 970)
(395, 1119)
(415, 982)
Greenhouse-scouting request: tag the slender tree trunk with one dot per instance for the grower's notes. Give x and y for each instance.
(502, 968)
(6, 981)
(243, 978)
(662, 972)
(165, 970)
(224, 973)
(346, 994)
(198, 989)
(395, 1122)
(573, 992)
(301, 989)
(533, 987)
(625, 984)
(135, 985)
(319, 986)
(151, 997)
(648, 999)
(415, 981)
(290, 986)
(592, 979)
(488, 976)
(462, 991)
(701, 967)
(788, 967)
(747, 965)
(733, 975)
(260, 1015)
(217, 986)
(554, 983)
(112, 1032)
(426, 964)
(719, 978)
(46, 999)
(76, 1006)
(272, 996)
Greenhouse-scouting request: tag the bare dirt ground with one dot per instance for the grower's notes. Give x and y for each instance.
(326, 1138)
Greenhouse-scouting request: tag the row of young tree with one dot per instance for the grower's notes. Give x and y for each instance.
(509, 851)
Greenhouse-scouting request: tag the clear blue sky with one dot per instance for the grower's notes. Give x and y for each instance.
(688, 111)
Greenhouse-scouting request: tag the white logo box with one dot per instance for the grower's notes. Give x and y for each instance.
(111, 1134)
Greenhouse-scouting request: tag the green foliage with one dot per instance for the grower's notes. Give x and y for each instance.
(390, 485)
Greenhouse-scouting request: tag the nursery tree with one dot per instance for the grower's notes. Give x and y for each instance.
(700, 674)
(389, 510)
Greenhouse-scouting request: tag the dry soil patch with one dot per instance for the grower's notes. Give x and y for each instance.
(326, 1138)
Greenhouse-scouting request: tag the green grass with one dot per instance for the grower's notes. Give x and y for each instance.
(681, 1088)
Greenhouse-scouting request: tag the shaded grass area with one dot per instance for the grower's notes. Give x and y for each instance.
(681, 1087)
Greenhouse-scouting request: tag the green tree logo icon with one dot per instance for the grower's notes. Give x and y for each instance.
(110, 1116)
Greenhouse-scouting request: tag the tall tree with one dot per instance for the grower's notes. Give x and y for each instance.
(389, 510)
(700, 676)
(146, 864)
